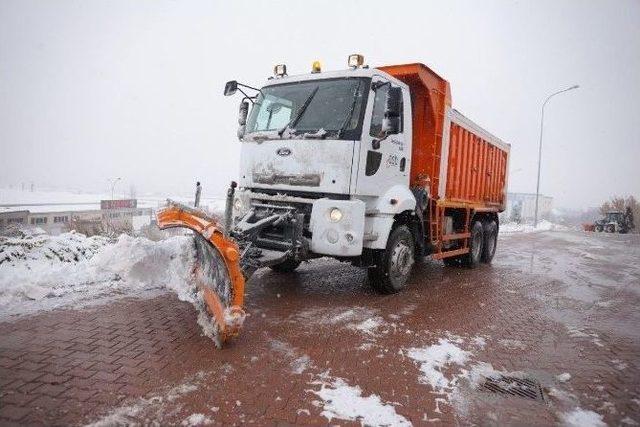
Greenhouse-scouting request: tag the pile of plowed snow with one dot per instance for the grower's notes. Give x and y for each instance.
(543, 225)
(42, 272)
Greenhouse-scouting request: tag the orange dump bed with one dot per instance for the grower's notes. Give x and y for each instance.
(460, 162)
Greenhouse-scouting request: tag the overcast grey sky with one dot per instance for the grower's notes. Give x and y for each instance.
(95, 89)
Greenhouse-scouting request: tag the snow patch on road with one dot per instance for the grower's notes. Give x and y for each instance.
(152, 407)
(512, 344)
(434, 360)
(360, 319)
(582, 418)
(368, 326)
(343, 401)
(196, 420)
(299, 362)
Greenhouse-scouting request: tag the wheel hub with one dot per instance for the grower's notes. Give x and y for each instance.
(401, 260)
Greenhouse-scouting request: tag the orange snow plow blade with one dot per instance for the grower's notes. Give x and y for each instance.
(217, 271)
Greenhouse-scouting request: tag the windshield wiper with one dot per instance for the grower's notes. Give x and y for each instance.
(351, 110)
(300, 112)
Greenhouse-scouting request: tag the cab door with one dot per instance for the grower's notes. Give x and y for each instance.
(384, 158)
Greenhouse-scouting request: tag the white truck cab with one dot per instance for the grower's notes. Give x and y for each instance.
(326, 165)
(339, 160)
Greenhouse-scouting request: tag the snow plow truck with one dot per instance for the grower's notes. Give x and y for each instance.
(370, 166)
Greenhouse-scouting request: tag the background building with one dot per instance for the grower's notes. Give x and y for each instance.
(86, 218)
(521, 207)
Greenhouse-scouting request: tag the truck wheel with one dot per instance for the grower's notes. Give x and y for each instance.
(394, 264)
(611, 228)
(599, 228)
(490, 241)
(476, 241)
(286, 266)
(452, 261)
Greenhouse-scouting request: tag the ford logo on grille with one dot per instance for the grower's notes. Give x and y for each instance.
(283, 151)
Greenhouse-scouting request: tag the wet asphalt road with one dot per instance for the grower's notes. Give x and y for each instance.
(553, 303)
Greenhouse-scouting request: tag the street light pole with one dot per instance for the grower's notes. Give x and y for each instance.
(113, 184)
(535, 219)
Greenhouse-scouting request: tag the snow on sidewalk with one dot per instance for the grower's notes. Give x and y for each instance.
(43, 272)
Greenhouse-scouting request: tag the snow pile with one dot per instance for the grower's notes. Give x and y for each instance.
(46, 272)
(582, 418)
(340, 400)
(36, 248)
(543, 225)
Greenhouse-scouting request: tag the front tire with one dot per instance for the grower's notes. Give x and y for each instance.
(393, 266)
(490, 243)
(287, 266)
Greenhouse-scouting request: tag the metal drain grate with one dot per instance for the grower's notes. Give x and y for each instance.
(512, 386)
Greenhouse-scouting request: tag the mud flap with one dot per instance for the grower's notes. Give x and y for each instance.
(217, 273)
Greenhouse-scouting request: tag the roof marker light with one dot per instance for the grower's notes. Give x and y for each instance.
(316, 67)
(356, 60)
(280, 70)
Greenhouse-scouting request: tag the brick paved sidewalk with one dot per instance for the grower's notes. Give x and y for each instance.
(145, 360)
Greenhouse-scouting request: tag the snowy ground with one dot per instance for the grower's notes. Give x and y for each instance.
(44, 272)
(546, 308)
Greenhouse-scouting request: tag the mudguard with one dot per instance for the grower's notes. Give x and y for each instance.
(217, 271)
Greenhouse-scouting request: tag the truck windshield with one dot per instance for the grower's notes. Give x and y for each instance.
(331, 108)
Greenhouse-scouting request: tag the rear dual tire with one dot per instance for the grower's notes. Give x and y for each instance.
(482, 245)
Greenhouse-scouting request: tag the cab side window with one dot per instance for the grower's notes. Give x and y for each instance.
(379, 107)
(379, 104)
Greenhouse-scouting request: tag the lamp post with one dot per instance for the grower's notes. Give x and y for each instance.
(535, 219)
(113, 184)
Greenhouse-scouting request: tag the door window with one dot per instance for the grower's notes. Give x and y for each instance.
(377, 116)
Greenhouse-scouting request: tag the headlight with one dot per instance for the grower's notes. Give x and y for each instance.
(237, 205)
(335, 215)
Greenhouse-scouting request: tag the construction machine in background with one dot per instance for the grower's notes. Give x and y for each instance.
(615, 222)
(370, 166)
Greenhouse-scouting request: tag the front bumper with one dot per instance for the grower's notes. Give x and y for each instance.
(322, 235)
(339, 238)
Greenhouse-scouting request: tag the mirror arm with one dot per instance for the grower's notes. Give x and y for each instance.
(248, 87)
(247, 96)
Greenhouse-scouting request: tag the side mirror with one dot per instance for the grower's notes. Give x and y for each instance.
(230, 88)
(243, 112)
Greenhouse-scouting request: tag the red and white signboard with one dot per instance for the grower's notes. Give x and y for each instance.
(119, 204)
